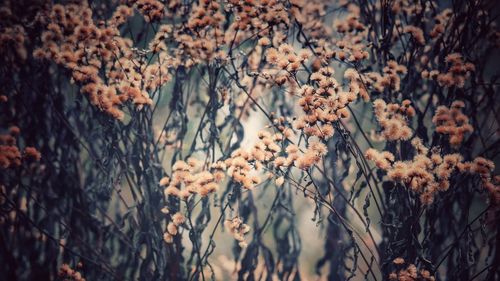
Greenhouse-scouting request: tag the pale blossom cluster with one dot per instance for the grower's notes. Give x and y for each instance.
(416, 33)
(10, 153)
(242, 166)
(102, 62)
(303, 159)
(286, 60)
(408, 8)
(351, 45)
(121, 15)
(323, 103)
(351, 50)
(12, 42)
(200, 40)
(309, 14)
(453, 122)
(429, 172)
(442, 27)
(351, 23)
(67, 273)
(426, 173)
(394, 118)
(260, 15)
(358, 83)
(269, 153)
(204, 37)
(189, 178)
(390, 79)
(152, 10)
(10, 156)
(13, 36)
(245, 166)
(31, 153)
(457, 72)
(484, 168)
(409, 273)
(238, 229)
(441, 21)
(173, 227)
(315, 151)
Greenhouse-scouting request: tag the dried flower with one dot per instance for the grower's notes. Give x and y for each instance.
(280, 181)
(238, 229)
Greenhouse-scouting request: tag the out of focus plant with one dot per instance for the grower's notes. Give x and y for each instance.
(141, 136)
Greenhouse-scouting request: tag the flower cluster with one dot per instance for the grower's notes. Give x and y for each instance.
(451, 121)
(430, 172)
(238, 229)
(426, 174)
(357, 83)
(189, 178)
(441, 20)
(204, 36)
(32, 153)
(286, 60)
(409, 273)
(393, 118)
(311, 156)
(10, 154)
(323, 105)
(66, 273)
(484, 168)
(351, 45)
(240, 168)
(309, 15)
(12, 43)
(257, 15)
(244, 166)
(383, 160)
(72, 39)
(173, 226)
(416, 33)
(407, 8)
(391, 78)
(152, 10)
(455, 76)
(121, 15)
(351, 22)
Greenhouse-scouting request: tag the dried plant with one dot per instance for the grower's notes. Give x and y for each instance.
(249, 140)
